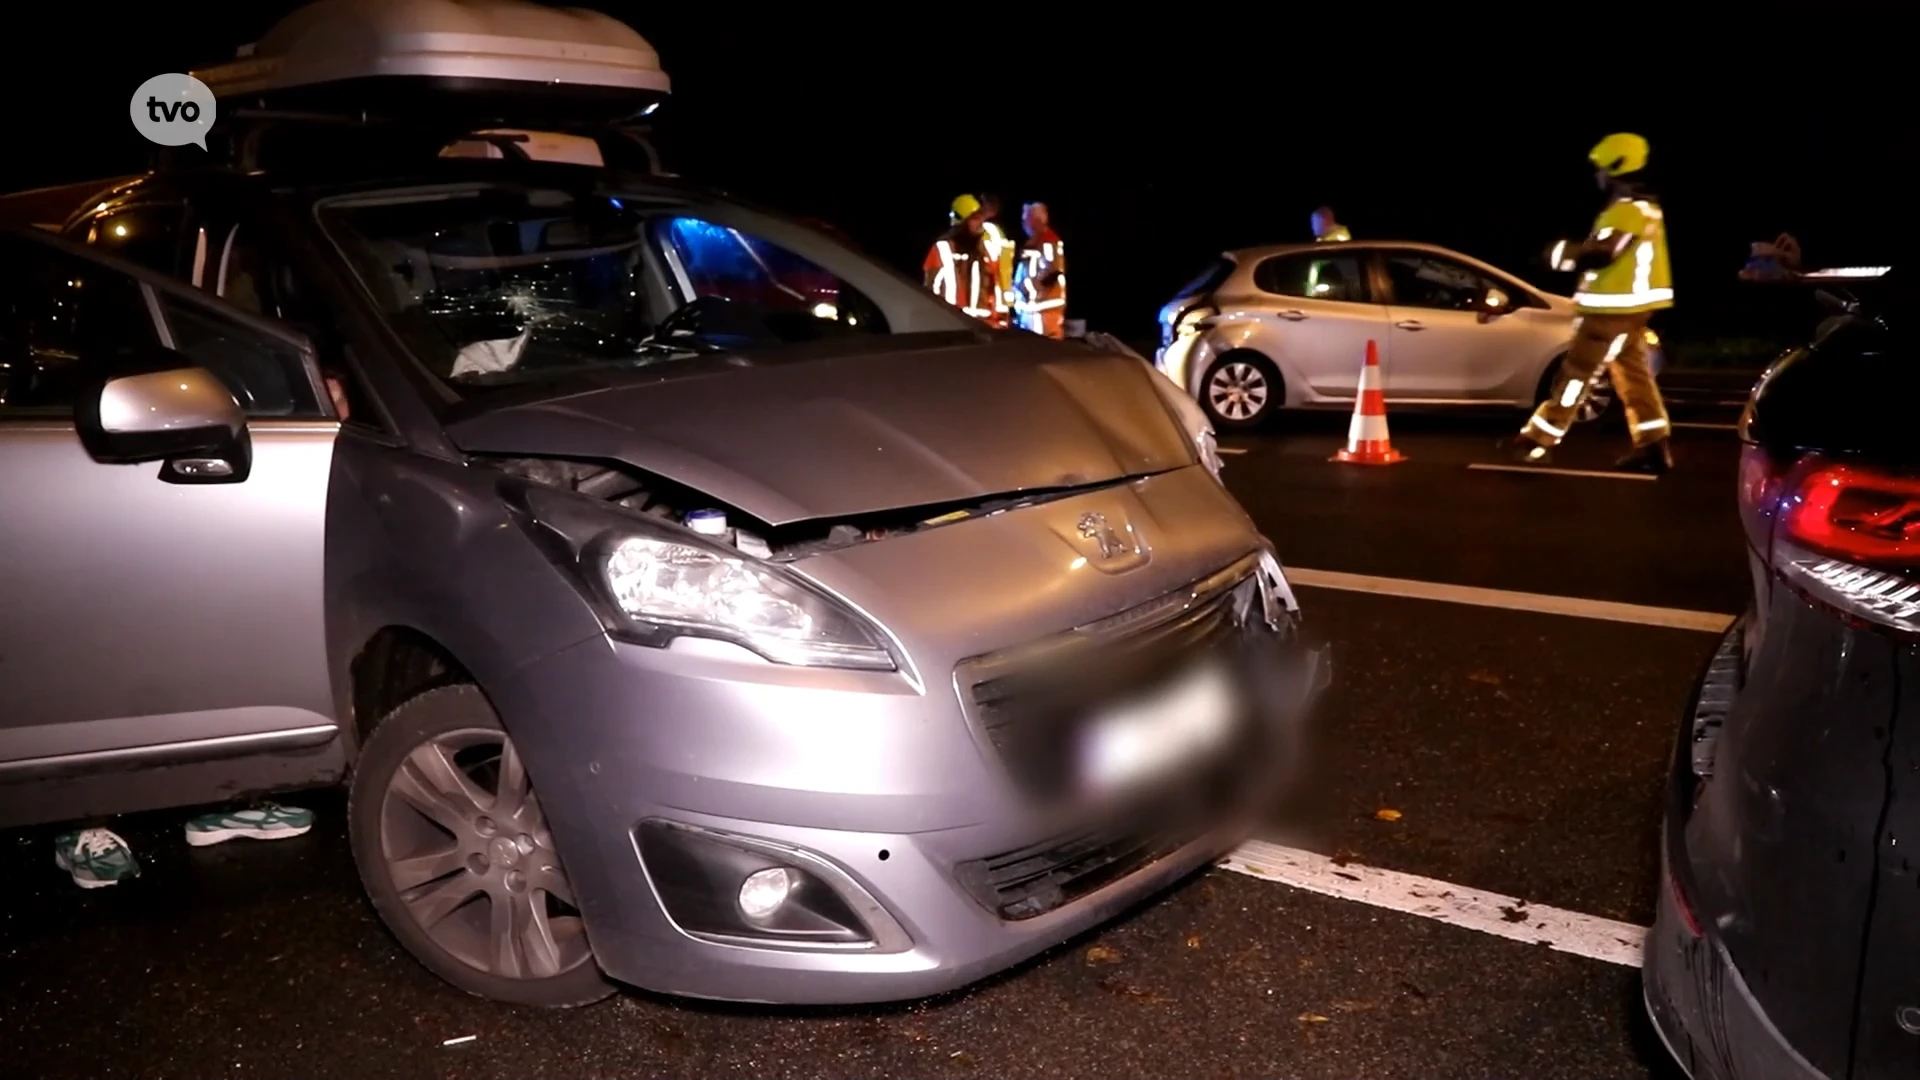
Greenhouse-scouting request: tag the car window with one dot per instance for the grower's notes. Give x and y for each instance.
(1314, 276)
(147, 235)
(1428, 281)
(724, 262)
(1209, 279)
(240, 274)
(268, 378)
(64, 322)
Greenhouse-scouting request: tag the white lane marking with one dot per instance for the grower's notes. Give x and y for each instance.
(1698, 426)
(1674, 618)
(1231, 449)
(1490, 913)
(1550, 471)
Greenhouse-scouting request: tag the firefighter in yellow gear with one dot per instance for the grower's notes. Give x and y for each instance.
(1000, 256)
(1624, 279)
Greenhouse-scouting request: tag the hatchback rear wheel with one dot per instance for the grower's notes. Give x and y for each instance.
(1241, 391)
(458, 860)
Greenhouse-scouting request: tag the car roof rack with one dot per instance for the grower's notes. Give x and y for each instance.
(446, 68)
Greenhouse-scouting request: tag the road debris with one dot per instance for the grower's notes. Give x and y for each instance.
(1312, 1018)
(1384, 814)
(458, 1040)
(1100, 954)
(1193, 941)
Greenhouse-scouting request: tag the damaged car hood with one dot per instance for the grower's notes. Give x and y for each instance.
(854, 434)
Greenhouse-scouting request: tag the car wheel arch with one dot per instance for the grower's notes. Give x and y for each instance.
(396, 664)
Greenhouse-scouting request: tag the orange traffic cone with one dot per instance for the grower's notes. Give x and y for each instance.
(1367, 441)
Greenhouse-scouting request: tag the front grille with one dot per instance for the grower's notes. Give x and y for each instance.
(1032, 707)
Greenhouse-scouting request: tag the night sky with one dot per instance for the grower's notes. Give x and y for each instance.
(1158, 142)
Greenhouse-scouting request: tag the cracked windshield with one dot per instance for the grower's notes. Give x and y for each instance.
(493, 286)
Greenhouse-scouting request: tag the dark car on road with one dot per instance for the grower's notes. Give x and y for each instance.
(1788, 937)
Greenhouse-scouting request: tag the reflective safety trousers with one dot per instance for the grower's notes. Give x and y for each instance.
(953, 270)
(1618, 344)
(1040, 284)
(1639, 279)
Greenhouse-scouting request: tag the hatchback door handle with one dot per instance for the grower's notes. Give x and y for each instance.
(1411, 324)
(1293, 314)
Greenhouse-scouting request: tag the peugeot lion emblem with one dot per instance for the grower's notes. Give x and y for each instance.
(1094, 527)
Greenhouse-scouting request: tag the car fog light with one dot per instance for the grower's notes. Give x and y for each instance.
(764, 891)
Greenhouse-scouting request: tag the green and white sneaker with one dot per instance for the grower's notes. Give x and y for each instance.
(95, 857)
(262, 821)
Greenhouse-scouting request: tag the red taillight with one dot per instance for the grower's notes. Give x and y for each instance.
(1849, 538)
(1854, 512)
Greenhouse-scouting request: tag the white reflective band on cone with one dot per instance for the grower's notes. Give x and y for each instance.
(1369, 378)
(1367, 429)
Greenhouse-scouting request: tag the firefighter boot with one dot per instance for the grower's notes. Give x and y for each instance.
(1521, 450)
(1654, 458)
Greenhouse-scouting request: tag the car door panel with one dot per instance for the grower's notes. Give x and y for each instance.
(146, 615)
(1308, 332)
(1442, 348)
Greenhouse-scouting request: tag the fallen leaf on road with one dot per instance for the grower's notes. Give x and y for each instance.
(1486, 677)
(1312, 1018)
(1100, 954)
(1193, 941)
(1122, 988)
(1383, 814)
(1514, 914)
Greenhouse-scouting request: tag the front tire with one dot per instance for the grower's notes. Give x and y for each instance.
(457, 858)
(1241, 391)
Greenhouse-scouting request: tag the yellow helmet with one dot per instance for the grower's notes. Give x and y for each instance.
(1619, 154)
(965, 207)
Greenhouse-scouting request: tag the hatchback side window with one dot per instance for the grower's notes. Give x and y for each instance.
(64, 322)
(147, 235)
(1314, 276)
(1426, 281)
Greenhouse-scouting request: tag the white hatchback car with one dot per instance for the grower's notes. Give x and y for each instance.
(1287, 327)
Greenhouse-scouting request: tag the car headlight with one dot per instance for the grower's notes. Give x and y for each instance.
(654, 581)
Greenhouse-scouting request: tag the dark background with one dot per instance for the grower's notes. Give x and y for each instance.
(1159, 140)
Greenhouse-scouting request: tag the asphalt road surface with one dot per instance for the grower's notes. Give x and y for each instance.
(1477, 742)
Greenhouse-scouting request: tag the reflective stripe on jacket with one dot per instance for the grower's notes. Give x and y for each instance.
(1041, 280)
(1639, 280)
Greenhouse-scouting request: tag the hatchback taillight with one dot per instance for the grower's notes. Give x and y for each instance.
(1847, 535)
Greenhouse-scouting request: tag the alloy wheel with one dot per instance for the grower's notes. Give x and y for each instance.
(470, 856)
(1237, 390)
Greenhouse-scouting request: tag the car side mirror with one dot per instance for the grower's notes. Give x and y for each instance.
(1493, 304)
(184, 417)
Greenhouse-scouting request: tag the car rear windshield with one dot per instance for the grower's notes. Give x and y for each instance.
(501, 284)
(1208, 281)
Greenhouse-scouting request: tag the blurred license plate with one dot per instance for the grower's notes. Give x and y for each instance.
(1176, 723)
